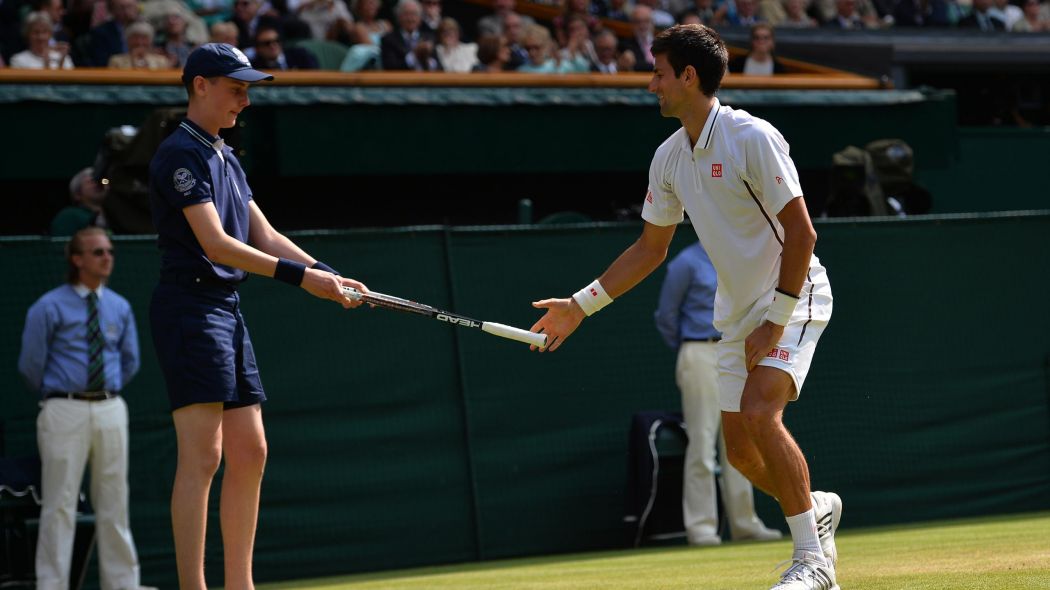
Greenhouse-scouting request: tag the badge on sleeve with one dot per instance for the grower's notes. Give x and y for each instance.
(184, 180)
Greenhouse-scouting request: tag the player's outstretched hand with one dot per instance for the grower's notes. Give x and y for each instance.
(562, 318)
(326, 285)
(760, 341)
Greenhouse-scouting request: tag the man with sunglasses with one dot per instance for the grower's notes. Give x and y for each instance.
(79, 349)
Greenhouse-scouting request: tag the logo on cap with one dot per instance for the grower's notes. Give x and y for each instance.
(240, 56)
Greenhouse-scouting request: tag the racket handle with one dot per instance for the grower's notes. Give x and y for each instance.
(352, 293)
(538, 340)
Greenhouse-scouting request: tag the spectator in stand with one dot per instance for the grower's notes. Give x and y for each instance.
(661, 18)
(760, 61)
(690, 17)
(514, 32)
(224, 32)
(452, 53)
(44, 53)
(363, 53)
(1032, 20)
(108, 39)
(943, 13)
(982, 17)
(493, 53)
(325, 17)
(246, 15)
(828, 12)
(619, 11)
(86, 197)
(746, 14)
(910, 13)
(56, 11)
(211, 11)
(580, 8)
(578, 47)
(708, 14)
(156, 12)
(172, 39)
(492, 24)
(140, 55)
(431, 16)
(270, 55)
(366, 12)
(641, 42)
(539, 45)
(607, 58)
(1008, 13)
(795, 16)
(848, 17)
(408, 47)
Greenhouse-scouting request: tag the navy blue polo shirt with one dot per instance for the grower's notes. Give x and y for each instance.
(186, 170)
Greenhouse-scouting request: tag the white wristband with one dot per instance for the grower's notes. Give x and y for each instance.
(781, 309)
(592, 298)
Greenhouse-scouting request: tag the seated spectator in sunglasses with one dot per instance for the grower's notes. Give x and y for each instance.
(760, 60)
(271, 55)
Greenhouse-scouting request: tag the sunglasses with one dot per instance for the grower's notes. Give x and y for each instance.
(99, 252)
(267, 42)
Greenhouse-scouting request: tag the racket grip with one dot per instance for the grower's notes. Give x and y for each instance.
(538, 340)
(352, 293)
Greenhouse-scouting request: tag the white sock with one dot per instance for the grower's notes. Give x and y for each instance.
(804, 534)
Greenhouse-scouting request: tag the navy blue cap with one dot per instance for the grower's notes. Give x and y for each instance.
(220, 59)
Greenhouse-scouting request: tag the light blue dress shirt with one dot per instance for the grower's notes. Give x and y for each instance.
(687, 298)
(54, 353)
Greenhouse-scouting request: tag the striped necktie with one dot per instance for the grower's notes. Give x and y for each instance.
(96, 368)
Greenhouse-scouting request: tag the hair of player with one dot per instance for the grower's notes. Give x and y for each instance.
(698, 46)
(75, 245)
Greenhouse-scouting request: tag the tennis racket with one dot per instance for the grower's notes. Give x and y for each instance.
(399, 304)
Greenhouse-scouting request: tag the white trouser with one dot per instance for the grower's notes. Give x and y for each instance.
(697, 376)
(69, 432)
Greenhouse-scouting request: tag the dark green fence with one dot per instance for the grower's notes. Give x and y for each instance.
(397, 441)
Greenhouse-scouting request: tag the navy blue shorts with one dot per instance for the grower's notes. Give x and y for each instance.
(203, 347)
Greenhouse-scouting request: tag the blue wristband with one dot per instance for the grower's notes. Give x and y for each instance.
(290, 271)
(322, 266)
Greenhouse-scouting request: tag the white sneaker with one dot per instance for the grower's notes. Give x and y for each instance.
(827, 509)
(807, 572)
(762, 533)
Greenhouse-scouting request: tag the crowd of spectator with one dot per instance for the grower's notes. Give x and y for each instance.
(356, 35)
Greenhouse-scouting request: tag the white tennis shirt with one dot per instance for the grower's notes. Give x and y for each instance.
(733, 184)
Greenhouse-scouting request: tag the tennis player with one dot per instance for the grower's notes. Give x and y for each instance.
(211, 234)
(731, 172)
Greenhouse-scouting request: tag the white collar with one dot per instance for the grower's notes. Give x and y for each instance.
(82, 290)
(704, 142)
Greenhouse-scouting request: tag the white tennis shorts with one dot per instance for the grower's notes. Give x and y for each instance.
(793, 354)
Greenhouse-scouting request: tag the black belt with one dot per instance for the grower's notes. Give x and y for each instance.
(711, 339)
(197, 280)
(87, 396)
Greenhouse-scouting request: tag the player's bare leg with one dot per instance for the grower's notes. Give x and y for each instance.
(198, 430)
(244, 445)
(743, 454)
(766, 393)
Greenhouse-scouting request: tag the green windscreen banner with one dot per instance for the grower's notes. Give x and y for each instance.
(399, 441)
